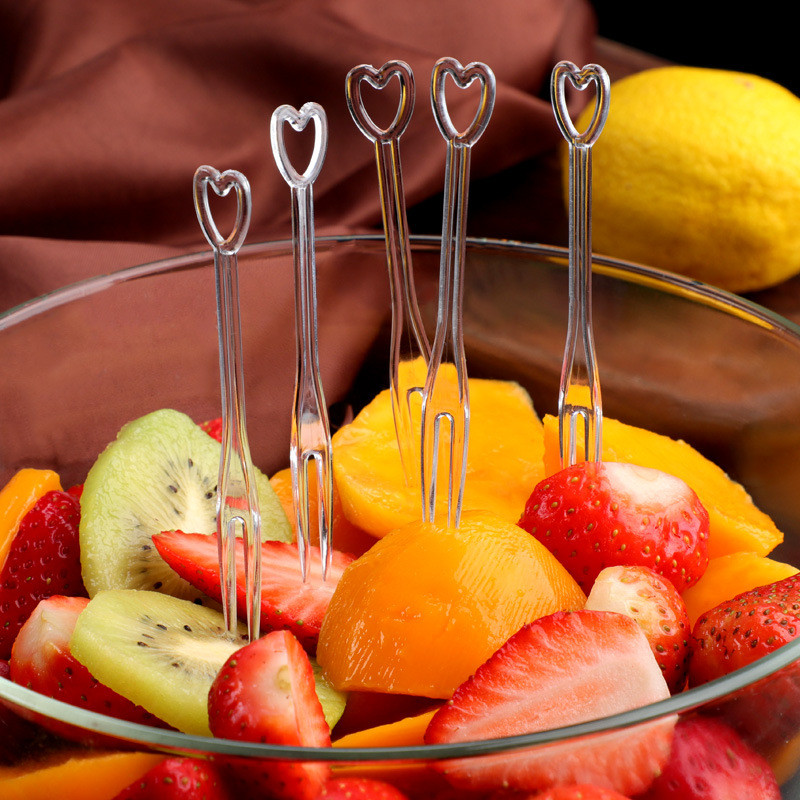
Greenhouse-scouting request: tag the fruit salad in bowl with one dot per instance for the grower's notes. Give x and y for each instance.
(617, 629)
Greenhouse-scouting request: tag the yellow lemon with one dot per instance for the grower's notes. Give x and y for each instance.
(697, 171)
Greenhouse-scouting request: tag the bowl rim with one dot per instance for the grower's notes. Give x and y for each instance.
(177, 742)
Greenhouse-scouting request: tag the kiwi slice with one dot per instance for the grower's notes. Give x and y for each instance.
(163, 654)
(160, 473)
(160, 652)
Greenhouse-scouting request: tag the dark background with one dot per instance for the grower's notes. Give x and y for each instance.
(750, 37)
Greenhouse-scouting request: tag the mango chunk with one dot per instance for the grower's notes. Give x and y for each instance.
(736, 523)
(504, 461)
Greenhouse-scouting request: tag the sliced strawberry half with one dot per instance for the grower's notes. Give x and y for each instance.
(596, 515)
(179, 778)
(658, 608)
(710, 762)
(41, 660)
(44, 560)
(286, 601)
(266, 693)
(560, 670)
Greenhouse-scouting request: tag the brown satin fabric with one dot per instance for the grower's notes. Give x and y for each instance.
(106, 110)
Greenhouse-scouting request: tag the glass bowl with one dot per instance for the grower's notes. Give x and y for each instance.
(675, 356)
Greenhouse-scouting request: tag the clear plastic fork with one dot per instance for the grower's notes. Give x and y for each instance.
(440, 411)
(238, 513)
(408, 339)
(579, 399)
(311, 437)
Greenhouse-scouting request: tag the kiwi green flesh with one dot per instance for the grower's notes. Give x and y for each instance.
(163, 654)
(160, 652)
(160, 473)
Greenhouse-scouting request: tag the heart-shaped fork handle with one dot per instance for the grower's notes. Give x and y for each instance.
(408, 339)
(463, 77)
(580, 408)
(439, 409)
(310, 436)
(379, 79)
(222, 183)
(580, 80)
(310, 112)
(238, 513)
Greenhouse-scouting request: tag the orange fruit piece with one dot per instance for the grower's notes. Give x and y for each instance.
(427, 604)
(347, 537)
(736, 524)
(727, 576)
(405, 732)
(18, 497)
(75, 775)
(504, 461)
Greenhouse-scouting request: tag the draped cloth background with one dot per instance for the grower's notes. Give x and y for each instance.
(107, 109)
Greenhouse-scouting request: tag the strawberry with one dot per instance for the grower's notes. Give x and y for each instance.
(710, 762)
(179, 778)
(596, 515)
(41, 660)
(736, 633)
(213, 427)
(749, 626)
(43, 560)
(562, 669)
(359, 789)
(265, 692)
(286, 601)
(658, 608)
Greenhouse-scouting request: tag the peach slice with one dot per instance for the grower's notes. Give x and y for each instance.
(405, 732)
(504, 461)
(427, 604)
(76, 775)
(736, 523)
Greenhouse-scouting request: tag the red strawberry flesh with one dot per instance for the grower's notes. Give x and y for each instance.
(286, 601)
(560, 670)
(266, 693)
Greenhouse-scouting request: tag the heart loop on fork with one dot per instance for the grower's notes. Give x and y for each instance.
(462, 77)
(580, 79)
(299, 120)
(222, 183)
(379, 79)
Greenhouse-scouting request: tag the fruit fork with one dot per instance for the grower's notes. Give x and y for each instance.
(579, 399)
(439, 409)
(408, 339)
(238, 512)
(311, 437)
